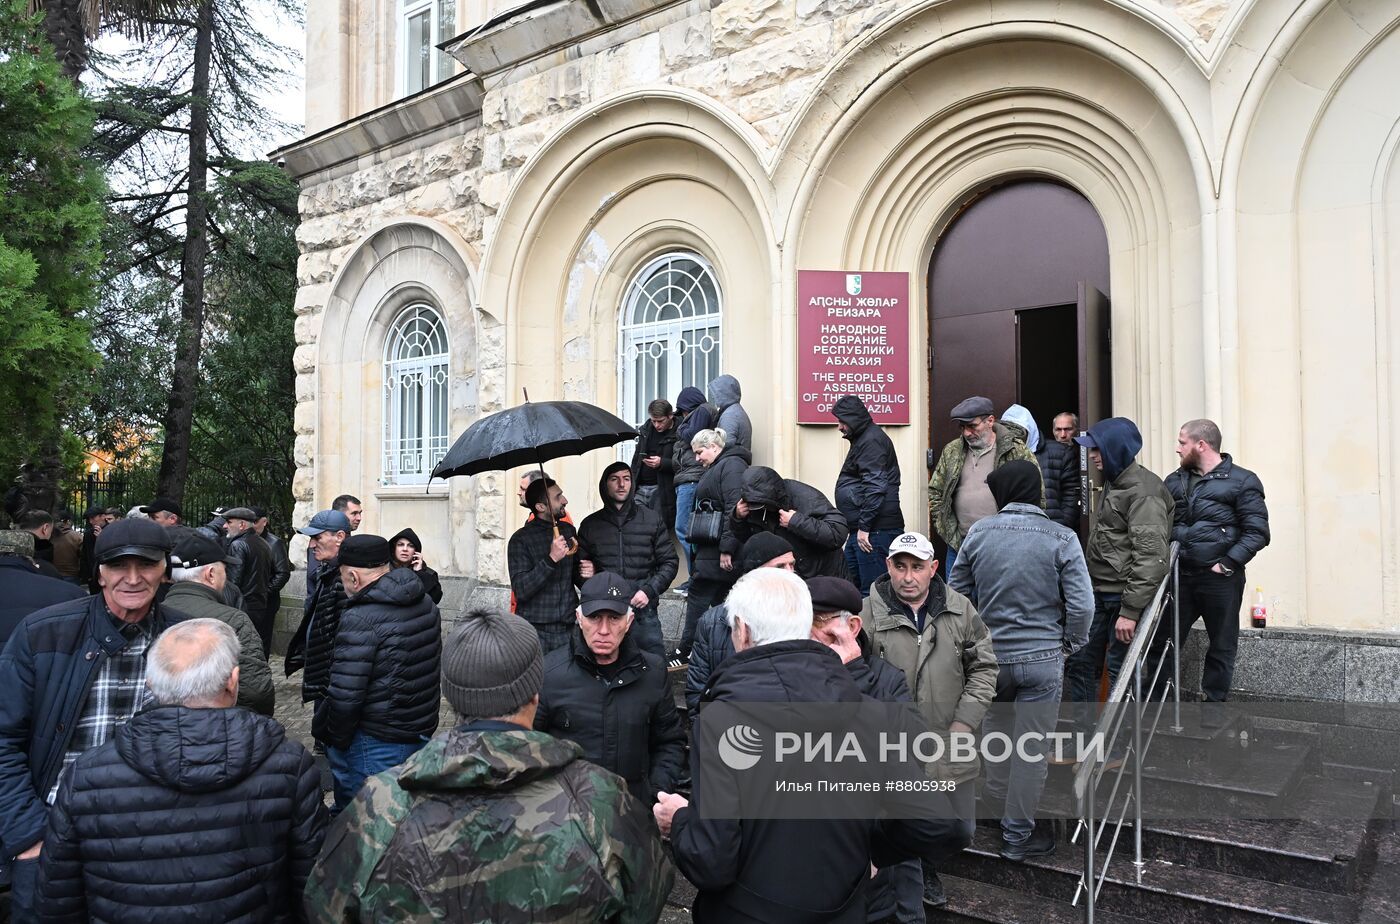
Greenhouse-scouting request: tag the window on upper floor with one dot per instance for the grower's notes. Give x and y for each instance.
(425, 24)
(670, 331)
(415, 395)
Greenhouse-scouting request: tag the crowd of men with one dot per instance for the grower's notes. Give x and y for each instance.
(142, 776)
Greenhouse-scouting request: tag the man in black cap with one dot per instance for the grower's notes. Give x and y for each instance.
(250, 567)
(68, 676)
(382, 698)
(198, 576)
(606, 693)
(957, 492)
(164, 511)
(713, 645)
(1026, 575)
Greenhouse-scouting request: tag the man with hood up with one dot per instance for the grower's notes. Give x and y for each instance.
(867, 492)
(1026, 576)
(1127, 554)
(1059, 467)
(796, 511)
(630, 539)
(957, 492)
(725, 394)
(693, 415)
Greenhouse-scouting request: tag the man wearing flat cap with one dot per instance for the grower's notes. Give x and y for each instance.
(382, 697)
(68, 676)
(458, 832)
(250, 566)
(958, 495)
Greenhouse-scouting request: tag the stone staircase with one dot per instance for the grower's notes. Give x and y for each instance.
(1244, 823)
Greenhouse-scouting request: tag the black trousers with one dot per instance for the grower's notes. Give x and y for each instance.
(703, 594)
(1214, 598)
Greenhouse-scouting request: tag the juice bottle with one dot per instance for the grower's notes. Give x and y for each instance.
(1259, 612)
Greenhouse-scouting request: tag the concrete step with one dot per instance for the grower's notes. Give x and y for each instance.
(972, 900)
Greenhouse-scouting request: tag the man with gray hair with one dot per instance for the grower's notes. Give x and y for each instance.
(199, 574)
(762, 869)
(221, 789)
(458, 832)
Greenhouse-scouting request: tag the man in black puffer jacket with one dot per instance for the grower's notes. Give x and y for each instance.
(761, 870)
(249, 565)
(1059, 467)
(1222, 522)
(611, 698)
(867, 492)
(382, 699)
(196, 810)
(631, 539)
(799, 513)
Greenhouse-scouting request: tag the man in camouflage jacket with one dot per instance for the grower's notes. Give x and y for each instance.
(491, 821)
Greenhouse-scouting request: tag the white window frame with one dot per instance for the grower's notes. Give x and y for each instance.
(409, 460)
(639, 326)
(437, 60)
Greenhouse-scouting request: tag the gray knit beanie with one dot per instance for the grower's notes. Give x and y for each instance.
(491, 665)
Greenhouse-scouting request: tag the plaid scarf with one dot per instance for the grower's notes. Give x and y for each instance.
(118, 693)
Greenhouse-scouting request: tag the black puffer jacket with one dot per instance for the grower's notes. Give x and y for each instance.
(250, 570)
(310, 648)
(760, 869)
(629, 725)
(1059, 472)
(1223, 519)
(713, 645)
(720, 488)
(817, 530)
(631, 541)
(185, 815)
(867, 490)
(384, 674)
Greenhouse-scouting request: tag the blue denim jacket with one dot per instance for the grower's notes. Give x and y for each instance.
(1026, 575)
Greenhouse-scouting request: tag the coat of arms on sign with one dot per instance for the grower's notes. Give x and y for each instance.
(853, 283)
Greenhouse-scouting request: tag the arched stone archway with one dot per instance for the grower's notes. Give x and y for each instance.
(894, 177)
(626, 181)
(406, 262)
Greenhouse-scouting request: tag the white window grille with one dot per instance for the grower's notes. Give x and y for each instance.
(415, 395)
(424, 25)
(670, 339)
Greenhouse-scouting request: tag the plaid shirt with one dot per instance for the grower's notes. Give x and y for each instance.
(118, 693)
(544, 589)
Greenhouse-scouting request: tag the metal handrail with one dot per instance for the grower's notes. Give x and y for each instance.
(1125, 701)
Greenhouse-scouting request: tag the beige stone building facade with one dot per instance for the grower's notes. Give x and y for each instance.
(497, 230)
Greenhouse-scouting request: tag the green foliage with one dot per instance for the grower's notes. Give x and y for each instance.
(51, 219)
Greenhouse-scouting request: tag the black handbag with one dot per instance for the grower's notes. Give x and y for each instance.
(706, 524)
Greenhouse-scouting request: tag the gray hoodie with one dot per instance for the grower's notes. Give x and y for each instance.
(724, 393)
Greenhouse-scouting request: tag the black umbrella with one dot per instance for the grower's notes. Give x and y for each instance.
(532, 434)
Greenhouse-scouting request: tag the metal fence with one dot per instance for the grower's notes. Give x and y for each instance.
(122, 490)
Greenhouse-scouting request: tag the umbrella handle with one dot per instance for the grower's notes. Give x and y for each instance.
(573, 543)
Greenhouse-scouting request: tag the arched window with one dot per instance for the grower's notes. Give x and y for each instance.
(670, 331)
(415, 395)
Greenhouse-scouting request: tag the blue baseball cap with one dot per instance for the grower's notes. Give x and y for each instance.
(326, 521)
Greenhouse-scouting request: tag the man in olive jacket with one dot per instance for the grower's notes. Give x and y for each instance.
(933, 633)
(957, 493)
(1127, 553)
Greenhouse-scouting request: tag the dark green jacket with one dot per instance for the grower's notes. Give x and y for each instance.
(1127, 552)
(490, 822)
(255, 688)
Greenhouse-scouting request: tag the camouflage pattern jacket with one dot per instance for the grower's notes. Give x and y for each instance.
(1011, 445)
(490, 822)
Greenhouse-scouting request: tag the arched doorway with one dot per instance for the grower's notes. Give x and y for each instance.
(1018, 306)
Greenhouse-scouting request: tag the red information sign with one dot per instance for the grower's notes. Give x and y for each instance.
(852, 339)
